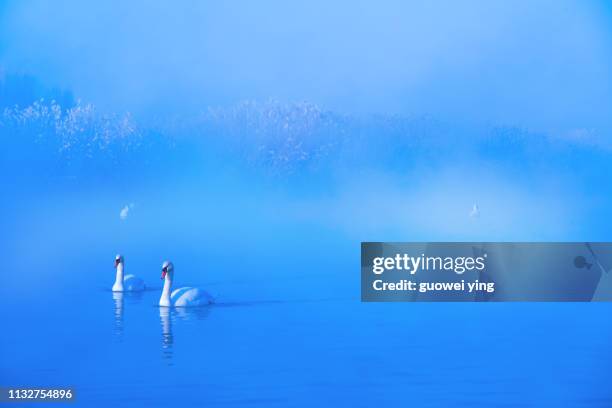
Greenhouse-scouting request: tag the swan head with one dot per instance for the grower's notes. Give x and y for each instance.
(118, 260)
(167, 268)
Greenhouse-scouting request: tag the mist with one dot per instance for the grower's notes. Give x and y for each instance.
(444, 59)
(249, 125)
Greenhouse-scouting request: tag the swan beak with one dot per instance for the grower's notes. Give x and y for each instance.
(116, 263)
(163, 274)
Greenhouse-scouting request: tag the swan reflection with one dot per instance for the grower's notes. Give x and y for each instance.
(118, 299)
(169, 316)
(167, 337)
(192, 313)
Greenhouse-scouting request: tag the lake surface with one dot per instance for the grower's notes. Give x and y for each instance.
(280, 343)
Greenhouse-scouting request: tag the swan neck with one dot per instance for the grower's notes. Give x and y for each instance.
(119, 278)
(167, 285)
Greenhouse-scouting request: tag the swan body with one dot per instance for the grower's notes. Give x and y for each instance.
(182, 297)
(127, 283)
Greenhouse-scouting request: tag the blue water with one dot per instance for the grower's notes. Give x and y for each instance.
(275, 237)
(278, 349)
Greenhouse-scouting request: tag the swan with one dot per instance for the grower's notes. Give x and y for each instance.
(127, 283)
(182, 297)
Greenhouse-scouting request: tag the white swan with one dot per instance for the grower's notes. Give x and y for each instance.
(182, 297)
(127, 283)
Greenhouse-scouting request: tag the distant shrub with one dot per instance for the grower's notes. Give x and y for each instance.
(280, 136)
(78, 130)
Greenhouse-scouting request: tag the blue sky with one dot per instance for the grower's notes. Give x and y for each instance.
(541, 65)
